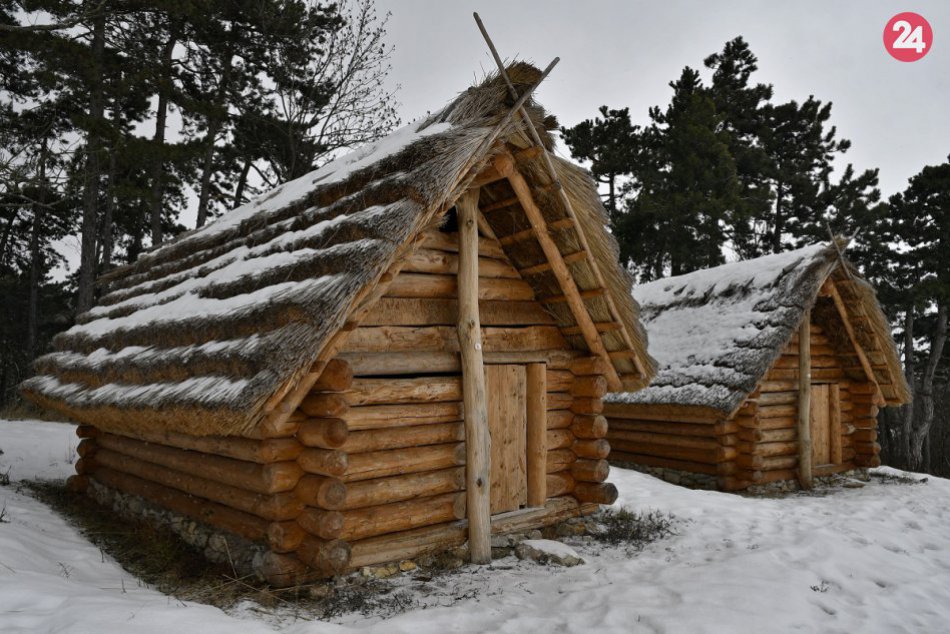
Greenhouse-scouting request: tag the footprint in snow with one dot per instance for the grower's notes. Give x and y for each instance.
(828, 610)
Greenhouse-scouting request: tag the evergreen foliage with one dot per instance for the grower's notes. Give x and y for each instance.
(118, 119)
(725, 172)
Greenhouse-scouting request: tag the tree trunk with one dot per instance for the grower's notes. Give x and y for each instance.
(779, 223)
(7, 230)
(107, 220)
(36, 260)
(206, 169)
(158, 141)
(907, 411)
(925, 395)
(87, 258)
(611, 196)
(242, 183)
(214, 126)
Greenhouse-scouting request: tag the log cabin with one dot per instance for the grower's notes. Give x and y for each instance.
(401, 352)
(770, 370)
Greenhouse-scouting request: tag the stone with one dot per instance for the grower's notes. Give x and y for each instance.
(407, 565)
(379, 572)
(500, 541)
(452, 563)
(321, 591)
(535, 534)
(218, 543)
(546, 551)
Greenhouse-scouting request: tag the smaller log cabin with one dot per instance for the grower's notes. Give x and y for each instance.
(769, 369)
(398, 353)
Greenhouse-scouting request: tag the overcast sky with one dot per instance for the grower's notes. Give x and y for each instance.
(624, 54)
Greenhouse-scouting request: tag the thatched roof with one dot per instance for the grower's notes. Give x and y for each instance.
(200, 334)
(715, 333)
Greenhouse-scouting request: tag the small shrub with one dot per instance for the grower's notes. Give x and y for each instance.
(634, 530)
(886, 478)
(375, 599)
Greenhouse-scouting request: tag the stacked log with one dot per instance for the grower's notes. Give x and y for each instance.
(239, 485)
(760, 443)
(371, 466)
(590, 446)
(863, 418)
(660, 440)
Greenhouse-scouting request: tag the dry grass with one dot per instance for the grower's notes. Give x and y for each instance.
(159, 558)
(632, 530)
(154, 555)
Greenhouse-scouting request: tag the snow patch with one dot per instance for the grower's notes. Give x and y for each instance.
(874, 560)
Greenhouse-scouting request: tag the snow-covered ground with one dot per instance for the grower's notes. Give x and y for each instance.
(874, 559)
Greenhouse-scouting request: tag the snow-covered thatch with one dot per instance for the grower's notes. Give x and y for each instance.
(715, 333)
(200, 334)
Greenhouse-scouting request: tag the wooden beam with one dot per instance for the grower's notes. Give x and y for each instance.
(835, 426)
(527, 234)
(536, 436)
(570, 258)
(562, 195)
(560, 299)
(475, 406)
(600, 326)
(858, 349)
(566, 281)
(487, 176)
(804, 402)
(501, 204)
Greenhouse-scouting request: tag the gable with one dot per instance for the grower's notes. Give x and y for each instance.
(715, 333)
(221, 329)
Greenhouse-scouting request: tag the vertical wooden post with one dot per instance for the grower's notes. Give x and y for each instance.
(835, 424)
(475, 407)
(537, 434)
(804, 402)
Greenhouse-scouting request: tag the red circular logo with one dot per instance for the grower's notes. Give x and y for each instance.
(908, 37)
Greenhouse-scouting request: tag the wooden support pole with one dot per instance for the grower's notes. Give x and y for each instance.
(804, 402)
(536, 434)
(858, 348)
(565, 201)
(475, 406)
(585, 324)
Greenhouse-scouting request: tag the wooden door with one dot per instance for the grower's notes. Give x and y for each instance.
(825, 425)
(505, 387)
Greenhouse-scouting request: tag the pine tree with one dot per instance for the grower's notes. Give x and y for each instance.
(686, 187)
(921, 221)
(611, 143)
(741, 105)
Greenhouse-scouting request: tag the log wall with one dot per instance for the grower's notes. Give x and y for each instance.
(397, 430)
(759, 444)
(371, 466)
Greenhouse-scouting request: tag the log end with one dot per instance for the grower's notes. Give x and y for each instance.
(77, 483)
(595, 493)
(284, 571)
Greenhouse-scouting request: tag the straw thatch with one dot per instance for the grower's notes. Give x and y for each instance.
(715, 333)
(198, 335)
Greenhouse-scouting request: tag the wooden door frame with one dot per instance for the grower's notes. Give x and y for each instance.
(834, 426)
(535, 433)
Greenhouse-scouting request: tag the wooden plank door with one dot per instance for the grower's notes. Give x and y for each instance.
(821, 424)
(505, 387)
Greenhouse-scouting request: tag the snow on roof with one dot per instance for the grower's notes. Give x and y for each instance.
(198, 334)
(714, 333)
